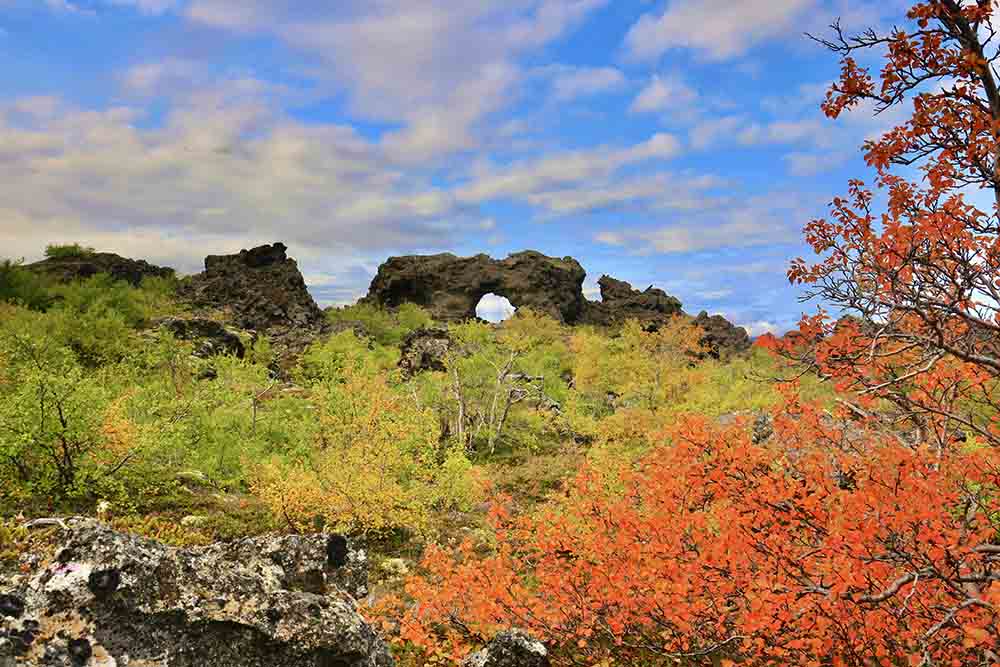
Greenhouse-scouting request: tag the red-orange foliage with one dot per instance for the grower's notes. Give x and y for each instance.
(924, 273)
(822, 547)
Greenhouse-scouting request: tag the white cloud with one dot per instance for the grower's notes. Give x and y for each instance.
(151, 7)
(810, 164)
(215, 174)
(160, 77)
(718, 29)
(148, 6)
(564, 168)
(63, 6)
(575, 82)
(439, 67)
(714, 294)
(760, 328)
(720, 223)
(711, 131)
(655, 192)
(663, 93)
(812, 130)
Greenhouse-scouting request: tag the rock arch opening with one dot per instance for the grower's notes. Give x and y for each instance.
(494, 308)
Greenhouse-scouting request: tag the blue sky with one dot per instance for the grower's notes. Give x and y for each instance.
(673, 143)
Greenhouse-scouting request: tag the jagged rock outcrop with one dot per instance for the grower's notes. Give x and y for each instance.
(211, 337)
(259, 289)
(511, 648)
(424, 350)
(722, 337)
(83, 266)
(106, 599)
(619, 302)
(450, 287)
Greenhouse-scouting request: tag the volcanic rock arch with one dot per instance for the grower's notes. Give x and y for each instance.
(450, 287)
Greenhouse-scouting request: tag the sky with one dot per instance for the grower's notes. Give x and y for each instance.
(674, 143)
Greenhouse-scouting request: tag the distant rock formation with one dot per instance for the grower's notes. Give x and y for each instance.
(107, 598)
(81, 267)
(259, 289)
(450, 287)
(619, 302)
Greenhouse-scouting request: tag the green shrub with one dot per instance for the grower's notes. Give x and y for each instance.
(51, 413)
(67, 251)
(22, 286)
(330, 359)
(385, 327)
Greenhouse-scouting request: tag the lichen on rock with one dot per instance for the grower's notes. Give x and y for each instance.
(107, 599)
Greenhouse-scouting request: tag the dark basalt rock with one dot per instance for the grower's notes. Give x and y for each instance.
(337, 551)
(619, 302)
(11, 606)
(274, 601)
(212, 337)
(103, 583)
(721, 336)
(68, 269)
(424, 350)
(259, 289)
(450, 287)
(511, 648)
(80, 651)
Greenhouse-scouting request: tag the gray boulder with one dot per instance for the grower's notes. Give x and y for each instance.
(108, 599)
(511, 648)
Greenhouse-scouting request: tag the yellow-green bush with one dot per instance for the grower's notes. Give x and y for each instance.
(377, 463)
(386, 327)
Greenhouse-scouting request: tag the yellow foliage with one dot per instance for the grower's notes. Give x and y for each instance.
(529, 329)
(641, 367)
(377, 464)
(120, 436)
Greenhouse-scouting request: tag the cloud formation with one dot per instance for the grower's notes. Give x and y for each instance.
(715, 29)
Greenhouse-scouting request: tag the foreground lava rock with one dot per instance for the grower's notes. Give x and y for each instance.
(511, 648)
(81, 267)
(107, 599)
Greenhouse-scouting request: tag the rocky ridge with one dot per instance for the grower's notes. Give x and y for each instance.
(85, 265)
(450, 287)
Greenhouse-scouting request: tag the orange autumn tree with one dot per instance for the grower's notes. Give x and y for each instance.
(916, 259)
(819, 547)
(833, 543)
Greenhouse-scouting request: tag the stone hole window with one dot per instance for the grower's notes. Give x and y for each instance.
(494, 308)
